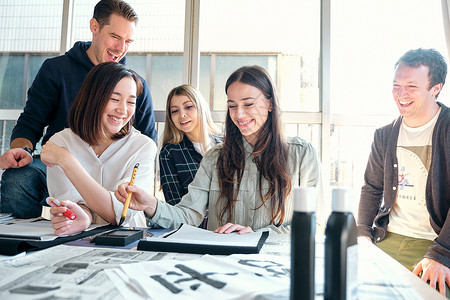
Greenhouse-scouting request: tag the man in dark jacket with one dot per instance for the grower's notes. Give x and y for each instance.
(23, 185)
(404, 205)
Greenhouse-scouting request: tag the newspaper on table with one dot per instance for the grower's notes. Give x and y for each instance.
(71, 272)
(68, 272)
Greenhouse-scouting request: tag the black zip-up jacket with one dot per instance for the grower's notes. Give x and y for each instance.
(54, 89)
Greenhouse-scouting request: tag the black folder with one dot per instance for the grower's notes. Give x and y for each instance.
(193, 244)
(12, 245)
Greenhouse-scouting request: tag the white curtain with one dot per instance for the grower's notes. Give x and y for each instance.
(446, 19)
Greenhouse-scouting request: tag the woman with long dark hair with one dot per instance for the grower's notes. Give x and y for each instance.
(246, 181)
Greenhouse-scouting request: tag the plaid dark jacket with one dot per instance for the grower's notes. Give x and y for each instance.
(178, 165)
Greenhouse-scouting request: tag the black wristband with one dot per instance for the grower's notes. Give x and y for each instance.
(28, 149)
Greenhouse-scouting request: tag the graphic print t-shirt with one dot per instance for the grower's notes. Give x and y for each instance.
(409, 216)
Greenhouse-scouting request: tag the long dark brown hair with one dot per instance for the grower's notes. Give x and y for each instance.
(270, 153)
(85, 114)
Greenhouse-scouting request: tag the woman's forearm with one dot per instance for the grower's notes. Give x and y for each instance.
(95, 195)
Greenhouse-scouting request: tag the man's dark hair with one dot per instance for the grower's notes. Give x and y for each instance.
(105, 8)
(427, 57)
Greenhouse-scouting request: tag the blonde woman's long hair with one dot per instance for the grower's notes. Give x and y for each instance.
(207, 128)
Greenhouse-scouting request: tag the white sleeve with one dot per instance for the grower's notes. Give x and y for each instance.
(144, 179)
(59, 186)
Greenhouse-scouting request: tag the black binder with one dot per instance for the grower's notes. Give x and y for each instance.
(12, 245)
(190, 246)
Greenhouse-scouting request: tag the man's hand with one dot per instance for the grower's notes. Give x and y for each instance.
(434, 272)
(15, 158)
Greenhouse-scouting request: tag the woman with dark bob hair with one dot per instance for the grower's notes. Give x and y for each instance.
(245, 182)
(87, 161)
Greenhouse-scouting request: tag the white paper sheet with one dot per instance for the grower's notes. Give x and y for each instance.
(189, 234)
(229, 277)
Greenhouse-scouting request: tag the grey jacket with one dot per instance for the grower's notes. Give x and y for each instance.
(381, 180)
(204, 191)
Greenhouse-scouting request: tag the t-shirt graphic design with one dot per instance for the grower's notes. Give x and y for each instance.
(413, 172)
(402, 180)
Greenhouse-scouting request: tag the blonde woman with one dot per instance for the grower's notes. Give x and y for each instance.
(189, 133)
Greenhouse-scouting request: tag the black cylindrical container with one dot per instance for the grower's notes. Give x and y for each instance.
(303, 231)
(341, 252)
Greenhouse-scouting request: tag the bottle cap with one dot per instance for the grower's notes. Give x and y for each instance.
(304, 199)
(342, 200)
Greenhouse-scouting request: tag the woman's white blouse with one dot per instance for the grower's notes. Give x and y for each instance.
(113, 167)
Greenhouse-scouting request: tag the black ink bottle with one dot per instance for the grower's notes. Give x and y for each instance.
(341, 249)
(303, 231)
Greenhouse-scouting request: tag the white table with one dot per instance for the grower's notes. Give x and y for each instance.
(79, 271)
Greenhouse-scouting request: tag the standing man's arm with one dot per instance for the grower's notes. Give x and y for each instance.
(42, 99)
(21, 143)
(15, 158)
(41, 106)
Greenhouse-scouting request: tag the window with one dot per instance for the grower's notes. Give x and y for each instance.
(282, 37)
(367, 38)
(30, 33)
